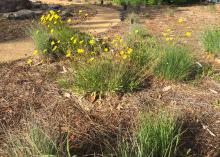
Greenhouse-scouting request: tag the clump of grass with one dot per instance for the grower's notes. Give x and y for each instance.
(211, 40)
(175, 63)
(31, 142)
(106, 76)
(158, 136)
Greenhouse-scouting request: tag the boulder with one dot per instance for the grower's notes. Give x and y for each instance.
(14, 5)
(23, 14)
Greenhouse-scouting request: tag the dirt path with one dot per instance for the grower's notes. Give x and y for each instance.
(105, 18)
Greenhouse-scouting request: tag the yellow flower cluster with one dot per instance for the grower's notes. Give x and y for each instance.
(51, 17)
(172, 36)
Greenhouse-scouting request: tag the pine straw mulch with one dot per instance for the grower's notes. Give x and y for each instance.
(27, 91)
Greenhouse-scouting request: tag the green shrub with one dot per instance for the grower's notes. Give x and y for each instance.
(158, 136)
(175, 63)
(211, 40)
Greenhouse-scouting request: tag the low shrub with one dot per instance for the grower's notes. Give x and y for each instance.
(211, 40)
(158, 136)
(175, 63)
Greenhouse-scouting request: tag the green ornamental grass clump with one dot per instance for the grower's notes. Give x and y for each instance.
(158, 136)
(32, 142)
(175, 63)
(211, 40)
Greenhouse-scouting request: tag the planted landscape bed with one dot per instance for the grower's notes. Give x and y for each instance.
(130, 94)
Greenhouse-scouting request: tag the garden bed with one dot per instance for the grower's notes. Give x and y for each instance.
(90, 92)
(31, 91)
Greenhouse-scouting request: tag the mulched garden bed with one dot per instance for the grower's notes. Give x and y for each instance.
(27, 91)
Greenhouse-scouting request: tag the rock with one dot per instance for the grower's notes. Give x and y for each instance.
(23, 14)
(36, 4)
(66, 13)
(167, 88)
(14, 5)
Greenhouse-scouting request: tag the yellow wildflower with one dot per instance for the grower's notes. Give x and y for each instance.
(45, 50)
(58, 11)
(92, 41)
(55, 22)
(125, 56)
(35, 52)
(71, 38)
(165, 34)
(74, 41)
(80, 51)
(54, 49)
(52, 12)
(92, 53)
(106, 49)
(42, 18)
(69, 20)
(136, 31)
(188, 34)
(80, 11)
(169, 39)
(180, 20)
(81, 42)
(52, 30)
(30, 61)
(58, 41)
(56, 16)
(122, 52)
(86, 14)
(68, 53)
(52, 43)
(91, 59)
(168, 30)
(130, 50)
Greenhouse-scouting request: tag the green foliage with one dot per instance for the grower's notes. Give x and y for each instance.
(106, 76)
(211, 40)
(55, 39)
(32, 142)
(158, 136)
(175, 63)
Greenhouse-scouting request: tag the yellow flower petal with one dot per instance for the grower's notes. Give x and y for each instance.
(30, 61)
(80, 51)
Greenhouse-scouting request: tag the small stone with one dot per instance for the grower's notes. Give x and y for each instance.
(213, 91)
(67, 95)
(167, 88)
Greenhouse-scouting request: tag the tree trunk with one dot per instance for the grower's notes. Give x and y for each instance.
(14, 5)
